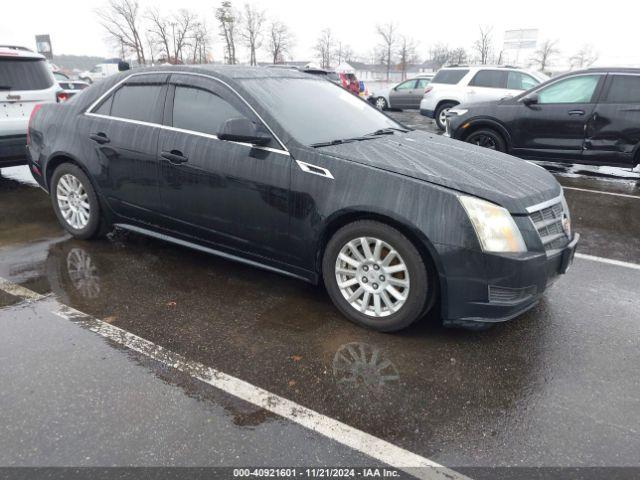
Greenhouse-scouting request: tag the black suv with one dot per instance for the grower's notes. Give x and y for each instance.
(589, 116)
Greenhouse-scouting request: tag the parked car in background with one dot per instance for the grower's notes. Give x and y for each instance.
(25, 81)
(404, 95)
(392, 221)
(100, 71)
(590, 116)
(455, 85)
(69, 87)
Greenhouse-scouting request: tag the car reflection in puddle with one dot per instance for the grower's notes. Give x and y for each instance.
(358, 364)
(83, 273)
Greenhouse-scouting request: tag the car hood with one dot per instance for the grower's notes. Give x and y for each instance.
(505, 180)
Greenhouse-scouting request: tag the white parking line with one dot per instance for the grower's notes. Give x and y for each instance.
(339, 432)
(609, 261)
(626, 195)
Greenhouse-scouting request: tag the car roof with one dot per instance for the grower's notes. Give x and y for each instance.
(609, 70)
(231, 72)
(18, 52)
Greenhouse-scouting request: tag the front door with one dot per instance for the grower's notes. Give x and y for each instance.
(554, 127)
(613, 132)
(401, 95)
(226, 193)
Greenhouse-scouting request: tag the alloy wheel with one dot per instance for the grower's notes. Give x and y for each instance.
(381, 103)
(73, 201)
(443, 116)
(372, 277)
(486, 141)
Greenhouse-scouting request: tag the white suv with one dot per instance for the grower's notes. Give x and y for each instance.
(25, 81)
(455, 85)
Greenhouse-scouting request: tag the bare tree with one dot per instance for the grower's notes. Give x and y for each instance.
(160, 32)
(120, 19)
(459, 56)
(585, 57)
(324, 48)
(545, 53)
(439, 55)
(200, 43)
(343, 52)
(483, 45)
(389, 38)
(228, 19)
(184, 24)
(280, 41)
(251, 31)
(406, 54)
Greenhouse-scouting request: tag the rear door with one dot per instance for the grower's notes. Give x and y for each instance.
(221, 192)
(401, 95)
(24, 82)
(123, 132)
(613, 131)
(487, 85)
(554, 128)
(418, 92)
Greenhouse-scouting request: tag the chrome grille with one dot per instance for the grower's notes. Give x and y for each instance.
(549, 224)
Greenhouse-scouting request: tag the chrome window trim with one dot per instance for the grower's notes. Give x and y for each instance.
(545, 204)
(89, 110)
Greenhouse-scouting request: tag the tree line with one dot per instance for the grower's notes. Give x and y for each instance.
(183, 36)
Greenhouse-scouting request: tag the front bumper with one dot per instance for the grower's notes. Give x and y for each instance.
(12, 150)
(493, 288)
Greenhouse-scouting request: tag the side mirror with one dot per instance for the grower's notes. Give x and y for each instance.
(123, 66)
(243, 130)
(532, 99)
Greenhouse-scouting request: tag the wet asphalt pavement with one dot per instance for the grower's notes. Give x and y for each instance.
(558, 386)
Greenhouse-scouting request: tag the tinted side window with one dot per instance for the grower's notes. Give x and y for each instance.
(201, 111)
(521, 81)
(490, 79)
(624, 89)
(570, 90)
(25, 74)
(449, 77)
(137, 102)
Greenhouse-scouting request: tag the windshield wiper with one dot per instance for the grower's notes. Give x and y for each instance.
(385, 131)
(340, 141)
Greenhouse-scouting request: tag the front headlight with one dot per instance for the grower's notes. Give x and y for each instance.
(458, 111)
(494, 226)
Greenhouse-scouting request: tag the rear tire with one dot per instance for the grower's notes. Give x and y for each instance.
(487, 138)
(441, 112)
(376, 277)
(75, 202)
(381, 103)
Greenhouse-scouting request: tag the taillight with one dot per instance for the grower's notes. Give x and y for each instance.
(427, 90)
(36, 107)
(62, 97)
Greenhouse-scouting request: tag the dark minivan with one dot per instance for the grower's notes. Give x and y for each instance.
(242, 162)
(589, 116)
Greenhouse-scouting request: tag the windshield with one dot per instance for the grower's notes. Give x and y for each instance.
(316, 111)
(24, 74)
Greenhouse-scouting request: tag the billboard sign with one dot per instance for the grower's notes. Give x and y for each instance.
(43, 45)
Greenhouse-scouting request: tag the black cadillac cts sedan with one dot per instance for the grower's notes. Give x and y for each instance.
(291, 173)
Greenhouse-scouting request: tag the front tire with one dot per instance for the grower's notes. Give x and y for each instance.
(441, 114)
(487, 138)
(75, 202)
(376, 277)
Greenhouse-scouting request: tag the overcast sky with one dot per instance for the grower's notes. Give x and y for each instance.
(611, 26)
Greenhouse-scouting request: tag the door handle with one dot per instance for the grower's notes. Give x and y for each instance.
(174, 156)
(100, 138)
(576, 113)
